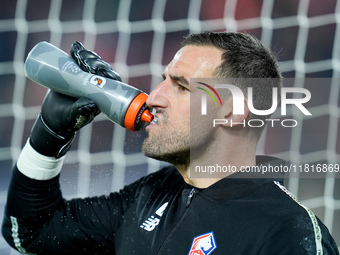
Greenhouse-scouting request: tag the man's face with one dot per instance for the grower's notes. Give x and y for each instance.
(169, 140)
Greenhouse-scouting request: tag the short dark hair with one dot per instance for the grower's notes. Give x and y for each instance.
(246, 61)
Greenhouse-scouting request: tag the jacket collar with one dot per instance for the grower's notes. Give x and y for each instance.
(241, 183)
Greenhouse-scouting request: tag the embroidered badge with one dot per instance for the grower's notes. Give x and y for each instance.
(203, 245)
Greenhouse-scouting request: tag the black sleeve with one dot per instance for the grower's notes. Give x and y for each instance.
(300, 236)
(38, 220)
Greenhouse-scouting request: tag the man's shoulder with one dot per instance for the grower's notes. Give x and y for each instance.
(274, 198)
(290, 219)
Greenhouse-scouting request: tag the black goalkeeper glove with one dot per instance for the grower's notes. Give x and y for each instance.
(89, 61)
(61, 116)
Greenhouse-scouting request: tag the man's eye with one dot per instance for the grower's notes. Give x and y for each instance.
(182, 88)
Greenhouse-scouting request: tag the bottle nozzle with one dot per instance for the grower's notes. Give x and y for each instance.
(154, 121)
(147, 116)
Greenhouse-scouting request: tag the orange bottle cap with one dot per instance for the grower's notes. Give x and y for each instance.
(133, 110)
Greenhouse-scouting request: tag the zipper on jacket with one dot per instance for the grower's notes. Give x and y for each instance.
(191, 195)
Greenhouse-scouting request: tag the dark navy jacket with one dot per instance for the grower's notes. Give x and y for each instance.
(161, 214)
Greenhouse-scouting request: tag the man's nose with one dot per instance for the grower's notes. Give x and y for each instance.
(158, 97)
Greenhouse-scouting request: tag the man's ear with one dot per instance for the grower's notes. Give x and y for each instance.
(231, 119)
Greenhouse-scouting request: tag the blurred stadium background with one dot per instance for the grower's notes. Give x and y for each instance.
(139, 37)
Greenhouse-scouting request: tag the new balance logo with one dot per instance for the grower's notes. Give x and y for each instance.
(153, 221)
(150, 223)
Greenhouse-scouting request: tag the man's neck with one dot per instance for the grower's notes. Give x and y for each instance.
(235, 157)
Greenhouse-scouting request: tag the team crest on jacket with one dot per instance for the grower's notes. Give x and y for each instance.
(203, 245)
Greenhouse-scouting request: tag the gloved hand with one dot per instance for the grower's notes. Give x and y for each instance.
(61, 116)
(89, 61)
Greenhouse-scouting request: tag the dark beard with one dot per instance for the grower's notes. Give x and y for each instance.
(175, 158)
(170, 147)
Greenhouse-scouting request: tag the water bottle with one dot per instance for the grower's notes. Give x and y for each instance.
(121, 103)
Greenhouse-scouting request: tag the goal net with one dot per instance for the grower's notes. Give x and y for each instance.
(139, 38)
